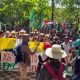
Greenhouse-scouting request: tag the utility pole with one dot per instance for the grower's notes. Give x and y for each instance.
(52, 14)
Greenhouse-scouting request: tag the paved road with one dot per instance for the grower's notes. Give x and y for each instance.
(15, 76)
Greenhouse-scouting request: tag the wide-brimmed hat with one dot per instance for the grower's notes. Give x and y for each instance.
(47, 35)
(22, 31)
(55, 52)
(7, 32)
(13, 32)
(42, 34)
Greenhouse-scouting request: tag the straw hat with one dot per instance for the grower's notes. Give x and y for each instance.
(42, 34)
(21, 32)
(55, 52)
(47, 35)
(13, 32)
(7, 32)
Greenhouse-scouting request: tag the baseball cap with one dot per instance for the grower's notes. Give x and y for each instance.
(46, 45)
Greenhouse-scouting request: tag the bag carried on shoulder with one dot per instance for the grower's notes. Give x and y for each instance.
(58, 76)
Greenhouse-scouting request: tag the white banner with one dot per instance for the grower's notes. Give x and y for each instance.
(8, 59)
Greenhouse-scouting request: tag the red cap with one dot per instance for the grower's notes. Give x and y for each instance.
(46, 45)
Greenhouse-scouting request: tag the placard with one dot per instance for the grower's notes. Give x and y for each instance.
(8, 62)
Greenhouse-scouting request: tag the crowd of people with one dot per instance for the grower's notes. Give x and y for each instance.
(58, 52)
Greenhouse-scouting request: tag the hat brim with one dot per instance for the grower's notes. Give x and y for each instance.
(62, 54)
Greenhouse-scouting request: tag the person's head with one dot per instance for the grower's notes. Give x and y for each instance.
(22, 32)
(55, 52)
(31, 34)
(54, 31)
(7, 33)
(66, 39)
(42, 34)
(56, 38)
(36, 38)
(46, 45)
(13, 33)
(25, 38)
(17, 35)
(1, 34)
(47, 37)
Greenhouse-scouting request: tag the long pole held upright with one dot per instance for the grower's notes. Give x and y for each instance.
(52, 17)
(0, 26)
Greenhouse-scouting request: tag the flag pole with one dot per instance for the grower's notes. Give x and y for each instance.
(52, 14)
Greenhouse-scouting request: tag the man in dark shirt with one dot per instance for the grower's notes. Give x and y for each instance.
(55, 53)
(25, 57)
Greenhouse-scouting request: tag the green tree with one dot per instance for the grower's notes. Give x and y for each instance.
(15, 11)
(72, 11)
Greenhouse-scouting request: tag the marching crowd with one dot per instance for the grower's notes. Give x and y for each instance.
(59, 52)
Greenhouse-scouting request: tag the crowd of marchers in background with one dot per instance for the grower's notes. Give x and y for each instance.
(61, 37)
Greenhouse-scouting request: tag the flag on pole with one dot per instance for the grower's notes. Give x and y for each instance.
(32, 18)
(39, 21)
(59, 28)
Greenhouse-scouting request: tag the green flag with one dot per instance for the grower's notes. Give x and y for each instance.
(39, 21)
(32, 18)
(59, 29)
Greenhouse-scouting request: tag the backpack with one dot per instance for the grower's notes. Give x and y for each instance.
(51, 71)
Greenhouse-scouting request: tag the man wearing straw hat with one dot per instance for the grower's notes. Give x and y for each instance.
(55, 53)
(22, 32)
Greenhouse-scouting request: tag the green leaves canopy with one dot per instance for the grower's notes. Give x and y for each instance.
(16, 11)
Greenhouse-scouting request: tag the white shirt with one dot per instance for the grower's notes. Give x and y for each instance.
(18, 42)
(66, 47)
(44, 57)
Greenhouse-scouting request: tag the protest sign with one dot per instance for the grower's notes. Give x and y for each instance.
(8, 62)
(9, 43)
(32, 46)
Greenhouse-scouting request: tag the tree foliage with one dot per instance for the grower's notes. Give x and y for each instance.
(16, 11)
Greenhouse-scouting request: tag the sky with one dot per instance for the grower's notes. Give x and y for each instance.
(57, 5)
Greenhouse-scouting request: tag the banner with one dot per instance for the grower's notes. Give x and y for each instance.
(8, 62)
(32, 46)
(7, 43)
